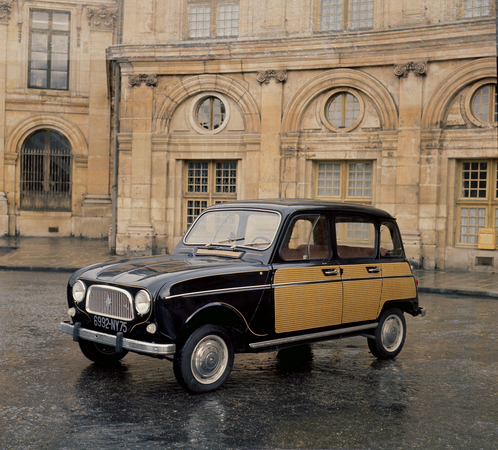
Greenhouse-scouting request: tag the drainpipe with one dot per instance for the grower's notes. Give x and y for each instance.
(115, 158)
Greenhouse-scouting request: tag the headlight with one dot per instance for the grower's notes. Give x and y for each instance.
(79, 291)
(142, 302)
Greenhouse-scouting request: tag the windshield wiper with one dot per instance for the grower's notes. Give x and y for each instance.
(225, 241)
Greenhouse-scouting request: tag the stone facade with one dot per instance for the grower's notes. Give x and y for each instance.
(53, 79)
(381, 103)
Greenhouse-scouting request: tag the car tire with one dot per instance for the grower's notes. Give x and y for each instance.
(205, 361)
(101, 354)
(390, 335)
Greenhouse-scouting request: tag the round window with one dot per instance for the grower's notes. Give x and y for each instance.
(485, 104)
(342, 110)
(481, 104)
(210, 113)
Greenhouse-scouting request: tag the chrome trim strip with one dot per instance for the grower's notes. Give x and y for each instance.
(128, 344)
(299, 283)
(215, 291)
(304, 337)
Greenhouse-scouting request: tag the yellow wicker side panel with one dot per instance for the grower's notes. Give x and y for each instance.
(307, 306)
(361, 300)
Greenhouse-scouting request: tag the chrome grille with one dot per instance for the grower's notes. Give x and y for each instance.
(110, 302)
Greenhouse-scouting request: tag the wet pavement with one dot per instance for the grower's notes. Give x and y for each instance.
(441, 392)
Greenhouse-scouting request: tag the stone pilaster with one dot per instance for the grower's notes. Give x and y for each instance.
(96, 208)
(408, 157)
(139, 235)
(271, 119)
(5, 10)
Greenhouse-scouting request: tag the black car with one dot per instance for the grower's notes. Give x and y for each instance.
(250, 276)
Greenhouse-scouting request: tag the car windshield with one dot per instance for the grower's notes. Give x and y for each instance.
(234, 228)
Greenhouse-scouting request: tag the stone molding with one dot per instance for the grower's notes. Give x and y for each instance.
(137, 80)
(343, 78)
(102, 18)
(5, 8)
(280, 76)
(419, 68)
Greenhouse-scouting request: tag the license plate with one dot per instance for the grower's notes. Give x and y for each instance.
(110, 324)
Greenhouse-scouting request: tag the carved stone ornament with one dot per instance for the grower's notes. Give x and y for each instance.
(137, 80)
(265, 77)
(5, 8)
(419, 68)
(102, 18)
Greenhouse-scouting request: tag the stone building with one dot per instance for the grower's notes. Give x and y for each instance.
(391, 103)
(55, 129)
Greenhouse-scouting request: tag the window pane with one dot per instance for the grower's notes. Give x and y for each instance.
(361, 14)
(482, 104)
(200, 21)
(359, 180)
(38, 78)
(60, 21)
(331, 15)
(329, 176)
(355, 237)
(39, 60)
(228, 20)
(471, 221)
(39, 43)
(476, 8)
(40, 20)
(477, 173)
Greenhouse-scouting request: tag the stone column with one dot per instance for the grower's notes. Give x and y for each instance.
(408, 156)
(96, 210)
(271, 120)
(139, 237)
(5, 8)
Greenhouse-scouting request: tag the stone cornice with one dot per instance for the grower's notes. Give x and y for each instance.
(300, 53)
(5, 7)
(102, 18)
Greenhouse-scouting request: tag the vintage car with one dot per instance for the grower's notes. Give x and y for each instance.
(250, 276)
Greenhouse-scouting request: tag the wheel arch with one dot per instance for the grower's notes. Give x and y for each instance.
(216, 314)
(406, 306)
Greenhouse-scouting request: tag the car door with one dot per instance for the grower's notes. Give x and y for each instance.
(307, 284)
(356, 239)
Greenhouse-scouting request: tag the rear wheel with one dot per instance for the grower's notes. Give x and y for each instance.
(205, 360)
(100, 353)
(389, 335)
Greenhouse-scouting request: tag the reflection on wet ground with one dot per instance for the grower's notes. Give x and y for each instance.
(440, 393)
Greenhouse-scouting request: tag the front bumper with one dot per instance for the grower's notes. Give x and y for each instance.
(118, 341)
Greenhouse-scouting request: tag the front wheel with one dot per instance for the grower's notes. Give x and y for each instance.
(389, 335)
(205, 360)
(100, 353)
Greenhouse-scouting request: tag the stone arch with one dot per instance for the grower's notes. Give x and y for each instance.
(201, 83)
(447, 90)
(376, 91)
(22, 130)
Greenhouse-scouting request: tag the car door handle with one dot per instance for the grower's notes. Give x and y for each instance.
(330, 272)
(373, 269)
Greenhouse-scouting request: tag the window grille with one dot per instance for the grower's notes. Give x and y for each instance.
(46, 173)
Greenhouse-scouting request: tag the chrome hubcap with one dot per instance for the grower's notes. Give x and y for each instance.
(392, 333)
(209, 359)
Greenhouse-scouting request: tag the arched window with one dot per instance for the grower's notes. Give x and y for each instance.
(46, 172)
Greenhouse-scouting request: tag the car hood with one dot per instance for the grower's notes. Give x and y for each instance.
(154, 272)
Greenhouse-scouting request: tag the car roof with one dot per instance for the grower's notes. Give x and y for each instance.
(288, 205)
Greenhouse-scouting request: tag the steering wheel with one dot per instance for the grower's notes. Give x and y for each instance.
(263, 238)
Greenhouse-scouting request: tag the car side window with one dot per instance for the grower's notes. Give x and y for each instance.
(390, 240)
(307, 238)
(355, 237)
